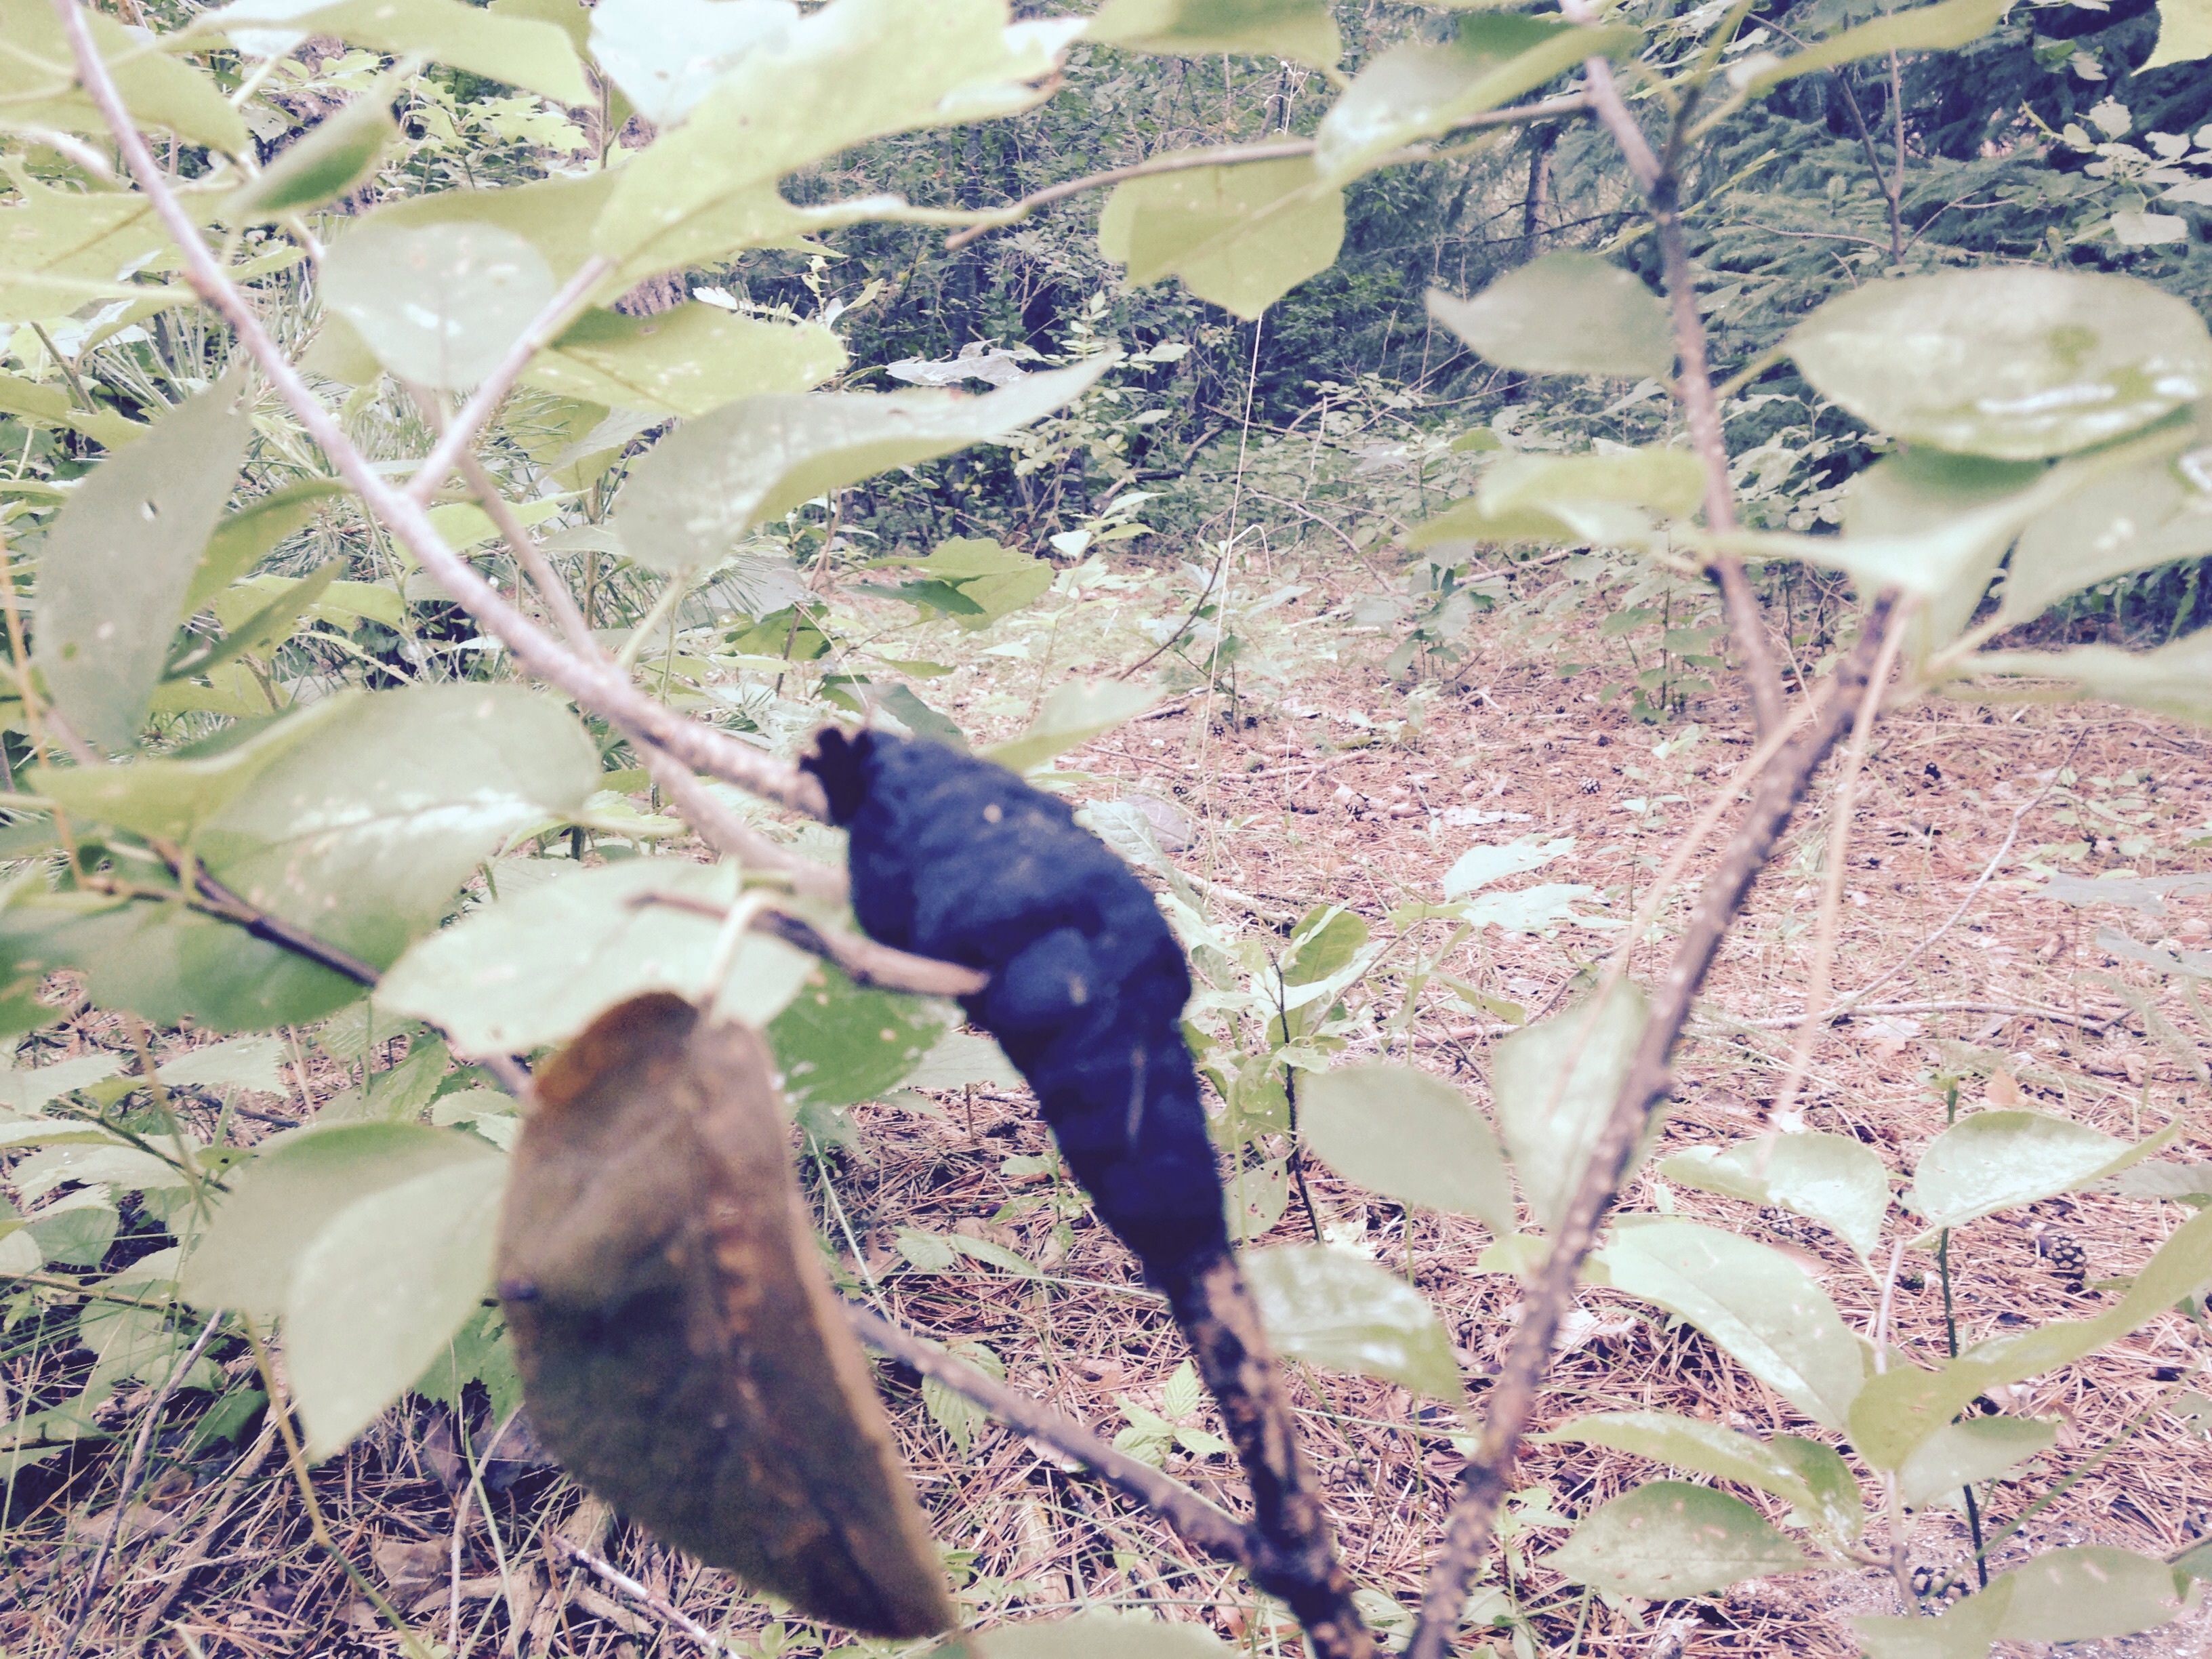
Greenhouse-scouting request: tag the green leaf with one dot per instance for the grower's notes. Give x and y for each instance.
(75, 1230)
(1964, 1631)
(441, 303)
(284, 609)
(1095, 1633)
(854, 70)
(382, 1290)
(666, 55)
(2081, 1594)
(51, 405)
(1407, 1135)
(1967, 506)
(1242, 236)
(246, 1062)
(1961, 1455)
(1829, 1179)
(343, 150)
(1322, 944)
(2173, 679)
(243, 538)
(1565, 313)
(535, 968)
(1991, 1161)
(838, 1042)
(517, 52)
(2145, 517)
(1924, 28)
(1419, 90)
(158, 90)
(59, 248)
(1708, 1449)
(116, 567)
(2017, 362)
(1897, 1411)
(703, 486)
(962, 1058)
(687, 361)
(1669, 1539)
(2184, 32)
(1757, 1304)
(1074, 714)
(296, 1181)
(1300, 30)
(987, 580)
(1337, 1311)
(1586, 491)
(172, 798)
(1553, 1086)
(361, 836)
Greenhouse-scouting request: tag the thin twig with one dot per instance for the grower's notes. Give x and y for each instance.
(2088, 1022)
(1489, 1473)
(658, 1606)
(865, 962)
(594, 683)
(1694, 386)
(89, 1597)
(1237, 155)
(541, 331)
(1195, 1521)
(1842, 810)
(1851, 999)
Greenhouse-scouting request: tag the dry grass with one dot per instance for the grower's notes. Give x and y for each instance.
(1287, 813)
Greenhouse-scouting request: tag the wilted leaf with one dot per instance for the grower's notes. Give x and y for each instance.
(1407, 1135)
(680, 1349)
(2017, 361)
(1758, 1305)
(1564, 314)
(1334, 1310)
(1669, 1538)
(116, 567)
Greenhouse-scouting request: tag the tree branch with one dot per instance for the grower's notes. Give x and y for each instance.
(865, 962)
(596, 684)
(1219, 1319)
(1489, 1473)
(1694, 387)
(1195, 1521)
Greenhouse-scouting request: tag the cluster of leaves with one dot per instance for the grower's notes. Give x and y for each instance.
(257, 753)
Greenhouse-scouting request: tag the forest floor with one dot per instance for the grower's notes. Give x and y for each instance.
(1318, 786)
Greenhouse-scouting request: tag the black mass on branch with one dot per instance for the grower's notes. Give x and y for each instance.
(956, 858)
